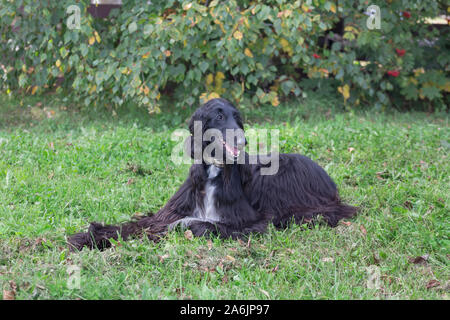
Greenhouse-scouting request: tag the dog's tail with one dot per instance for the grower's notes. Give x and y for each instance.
(331, 212)
(99, 236)
(337, 211)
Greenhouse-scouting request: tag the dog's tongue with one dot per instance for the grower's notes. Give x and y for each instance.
(233, 150)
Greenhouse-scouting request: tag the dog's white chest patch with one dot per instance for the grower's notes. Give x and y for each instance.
(209, 212)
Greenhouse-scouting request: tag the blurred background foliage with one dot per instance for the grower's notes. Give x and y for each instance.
(250, 52)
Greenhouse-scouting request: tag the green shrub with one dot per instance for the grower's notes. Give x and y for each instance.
(246, 51)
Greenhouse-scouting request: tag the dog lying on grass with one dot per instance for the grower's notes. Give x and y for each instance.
(227, 193)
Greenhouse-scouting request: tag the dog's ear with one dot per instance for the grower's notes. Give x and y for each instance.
(197, 116)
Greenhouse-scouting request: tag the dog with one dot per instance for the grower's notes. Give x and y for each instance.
(226, 193)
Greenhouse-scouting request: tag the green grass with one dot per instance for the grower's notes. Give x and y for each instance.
(57, 174)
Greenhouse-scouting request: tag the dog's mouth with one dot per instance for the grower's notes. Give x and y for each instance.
(232, 151)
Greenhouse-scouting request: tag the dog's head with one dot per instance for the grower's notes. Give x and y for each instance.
(216, 129)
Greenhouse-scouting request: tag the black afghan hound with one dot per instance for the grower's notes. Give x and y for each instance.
(226, 192)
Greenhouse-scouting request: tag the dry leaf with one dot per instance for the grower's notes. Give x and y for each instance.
(275, 269)
(225, 279)
(163, 257)
(188, 234)
(363, 230)
(408, 205)
(230, 258)
(237, 35)
(265, 293)
(432, 284)
(347, 223)
(210, 244)
(248, 53)
(351, 149)
(419, 260)
(328, 259)
(9, 295)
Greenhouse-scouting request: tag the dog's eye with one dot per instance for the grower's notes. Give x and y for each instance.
(219, 117)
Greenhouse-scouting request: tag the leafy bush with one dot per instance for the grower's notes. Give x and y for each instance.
(246, 51)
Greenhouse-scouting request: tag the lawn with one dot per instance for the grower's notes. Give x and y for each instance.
(61, 167)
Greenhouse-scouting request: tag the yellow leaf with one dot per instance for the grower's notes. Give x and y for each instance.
(237, 35)
(91, 40)
(305, 8)
(248, 53)
(209, 79)
(24, 68)
(146, 90)
(419, 71)
(275, 101)
(203, 97)
(34, 90)
(167, 53)
(219, 76)
(220, 24)
(213, 95)
(58, 63)
(345, 91)
(97, 37)
(286, 46)
(333, 8)
(93, 88)
(413, 80)
(145, 56)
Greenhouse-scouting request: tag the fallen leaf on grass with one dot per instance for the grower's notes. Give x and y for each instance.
(363, 230)
(210, 244)
(433, 283)
(328, 259)
(163, 257)
(10, 294)
(408, 205)
(347, 223)
(376, 258)
(225, 279)
(265, 293)
(230, 258)
(188, 234)
(419, 260)
(275, 269)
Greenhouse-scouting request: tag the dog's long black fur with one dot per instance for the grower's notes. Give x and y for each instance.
(241, 200)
